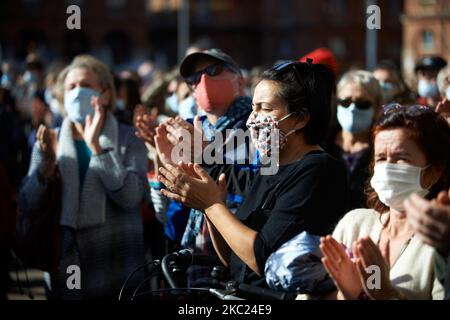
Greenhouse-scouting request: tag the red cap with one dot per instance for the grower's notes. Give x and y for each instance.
(323, 56)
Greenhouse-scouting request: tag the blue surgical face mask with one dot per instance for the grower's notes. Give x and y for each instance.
(187, 108)
(427, 89)
(172, 102)
(77, 103)
(30, 78)
(354, 120)
(120, 104)
(387, 89)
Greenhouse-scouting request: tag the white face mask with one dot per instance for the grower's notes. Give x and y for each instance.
(394, 183)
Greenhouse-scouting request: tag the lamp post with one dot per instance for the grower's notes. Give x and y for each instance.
(183, 28)
(371, 42)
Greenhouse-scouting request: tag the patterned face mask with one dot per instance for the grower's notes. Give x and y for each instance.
(263, 128)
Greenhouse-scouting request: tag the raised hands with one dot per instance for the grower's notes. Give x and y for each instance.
(146, 124)
(367, 255)
(163, 145)
(179, 129)
(431, 220)
(192, 186)
(93, 126)
(353, 276)
(340, 268)
(48, 144)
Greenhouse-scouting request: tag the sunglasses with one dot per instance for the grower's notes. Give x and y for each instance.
(359, 103)
(412, 110)
(288, 65)
(212, 70)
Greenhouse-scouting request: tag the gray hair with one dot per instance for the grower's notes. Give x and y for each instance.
(90, 63)
(365, 80)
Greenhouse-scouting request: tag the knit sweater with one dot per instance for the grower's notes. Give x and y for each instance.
(414, 273)
(106, 245)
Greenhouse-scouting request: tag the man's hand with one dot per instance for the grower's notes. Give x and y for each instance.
(431, 219)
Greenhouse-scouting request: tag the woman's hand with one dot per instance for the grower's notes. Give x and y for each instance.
(431, 220)
(93, 127)
(146, 124)
(163, 146)
(192, 186)
(48, 143)
(368, 254)
(341, 268)
(179, 129)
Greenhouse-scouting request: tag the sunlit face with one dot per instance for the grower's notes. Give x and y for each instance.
(396, 146)
(83, 77)
(266, 102)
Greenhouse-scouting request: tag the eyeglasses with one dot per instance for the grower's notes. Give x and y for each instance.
(412, 110)
(359, 103)
(212, 70)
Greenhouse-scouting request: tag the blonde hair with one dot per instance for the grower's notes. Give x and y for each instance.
(93, 64)
(366, 81)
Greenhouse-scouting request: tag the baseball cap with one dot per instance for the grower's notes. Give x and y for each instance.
(431, 63)
(189, 62)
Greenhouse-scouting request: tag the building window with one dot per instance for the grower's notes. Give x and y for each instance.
(428, 40)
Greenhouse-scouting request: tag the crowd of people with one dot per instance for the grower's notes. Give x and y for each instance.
(362, 175)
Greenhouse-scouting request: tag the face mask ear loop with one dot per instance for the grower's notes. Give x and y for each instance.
(422, 170)
(293, 130)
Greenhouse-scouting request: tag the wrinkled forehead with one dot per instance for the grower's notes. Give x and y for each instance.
(395, 140)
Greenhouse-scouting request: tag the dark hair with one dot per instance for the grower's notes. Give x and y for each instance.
(306, 86)
(431, 132)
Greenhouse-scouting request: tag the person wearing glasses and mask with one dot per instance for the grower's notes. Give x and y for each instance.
(103, 171)
(307, 192)
(359, 96)
(410, 156)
